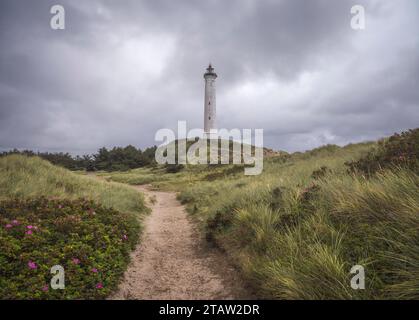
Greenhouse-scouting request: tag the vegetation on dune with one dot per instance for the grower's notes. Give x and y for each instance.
(51, 216)
(296, 241)
(141, 176)
(122, 159)
(115, 159)
(91, 242)
(177, 176)
(399, 150)
(22, 176)
(296, 230)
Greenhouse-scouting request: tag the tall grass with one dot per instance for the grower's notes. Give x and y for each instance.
(296, 235)
(22, 176)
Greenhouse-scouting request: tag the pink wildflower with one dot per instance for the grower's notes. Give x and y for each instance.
(29, 232)
(94, 270)
(124, 237)
(99, 285)
(45, 288)
(29, 227)
(75, 261)
(8, 226)
(32, 265)
(15, 222)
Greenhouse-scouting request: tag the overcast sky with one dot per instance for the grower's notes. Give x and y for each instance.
(123, 69)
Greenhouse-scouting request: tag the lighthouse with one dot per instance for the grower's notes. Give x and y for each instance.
(210, 102)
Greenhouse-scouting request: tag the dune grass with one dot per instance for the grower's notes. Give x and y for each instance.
(296, 234)
(158, 178)
(27, 177)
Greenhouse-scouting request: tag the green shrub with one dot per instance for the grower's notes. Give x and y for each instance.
(320, 173)
(90, 241)
(231, 170)
(399, 150)
(174, 168)
(118, 158)
(218, 223)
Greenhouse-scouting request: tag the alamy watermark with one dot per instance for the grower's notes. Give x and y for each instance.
(358, 280)
(358, 18)
(58, 279)
(57, 21)
(221, 146)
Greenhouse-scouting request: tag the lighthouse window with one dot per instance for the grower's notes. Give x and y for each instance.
(209, 102)
(209, 118)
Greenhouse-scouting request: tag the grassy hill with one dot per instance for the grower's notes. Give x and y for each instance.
(296, 230)
(51, 216)
(22, 176)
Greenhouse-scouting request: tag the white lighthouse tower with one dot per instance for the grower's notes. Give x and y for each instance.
(210, 103)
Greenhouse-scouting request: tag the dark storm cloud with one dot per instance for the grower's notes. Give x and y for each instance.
(123, 69)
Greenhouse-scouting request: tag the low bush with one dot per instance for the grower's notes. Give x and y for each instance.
(399, 150)
(320, 173)
(218, 223)
(115, 159)
(230, 171)
(174, 168)
(90, 241)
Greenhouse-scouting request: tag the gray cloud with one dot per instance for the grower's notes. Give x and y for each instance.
(123, 69)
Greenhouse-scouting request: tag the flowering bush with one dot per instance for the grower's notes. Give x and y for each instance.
(91, 242)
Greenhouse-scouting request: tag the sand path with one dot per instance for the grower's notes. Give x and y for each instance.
(173, 261)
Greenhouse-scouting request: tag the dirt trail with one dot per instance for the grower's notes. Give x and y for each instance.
(174, 262)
